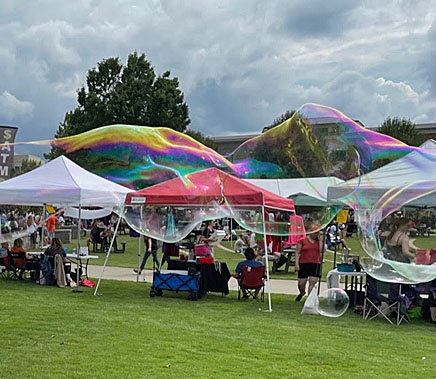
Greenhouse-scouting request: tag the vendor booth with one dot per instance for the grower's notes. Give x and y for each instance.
(61, 182)
(169, 211)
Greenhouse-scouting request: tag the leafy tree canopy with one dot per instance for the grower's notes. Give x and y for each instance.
(26, 166)
(130, 94)
(202, 138)
(277, 121)
(401, 129)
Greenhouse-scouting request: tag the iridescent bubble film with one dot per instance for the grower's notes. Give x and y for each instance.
(333, 302)
(317, 141)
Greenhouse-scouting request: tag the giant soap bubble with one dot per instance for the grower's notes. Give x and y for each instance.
(317, 141)
(333, 302)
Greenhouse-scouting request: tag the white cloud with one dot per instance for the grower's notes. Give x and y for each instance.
(12, 109)
(241, 64)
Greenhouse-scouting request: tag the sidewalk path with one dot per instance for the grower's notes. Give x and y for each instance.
(283, 286)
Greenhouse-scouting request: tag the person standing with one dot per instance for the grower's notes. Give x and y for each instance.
(308, 260)
(150, 249)
(31, 229)
(208, 235)
(50, 224)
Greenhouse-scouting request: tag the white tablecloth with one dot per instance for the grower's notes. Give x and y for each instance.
(334, 276)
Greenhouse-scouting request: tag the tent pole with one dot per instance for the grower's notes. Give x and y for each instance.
(230, 230)
(41, 239)
(139, 257)
(266, 259)
(77, 289)
(334, 257)
(139, 250)
(324, 236)
(107, 255)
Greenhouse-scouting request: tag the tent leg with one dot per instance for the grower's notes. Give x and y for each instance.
(139, 258)
(266, 260)
(77, 289)
(324, 237)
(107, 256)
(41, 239)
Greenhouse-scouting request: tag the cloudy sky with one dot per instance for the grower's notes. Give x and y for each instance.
(240, 63)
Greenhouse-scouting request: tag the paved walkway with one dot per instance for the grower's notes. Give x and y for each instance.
(284, 286)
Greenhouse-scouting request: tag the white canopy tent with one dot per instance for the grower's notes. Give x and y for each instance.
(62, 182)
(87, 214)
(304, 191)
(409, 171)
(407, 181)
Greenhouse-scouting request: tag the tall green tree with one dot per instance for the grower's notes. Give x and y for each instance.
(26, 166)
(401, 129)
(277, 121)
(202, 138)
(130, 94)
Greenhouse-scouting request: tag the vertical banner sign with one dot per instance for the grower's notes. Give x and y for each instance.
(7, 138)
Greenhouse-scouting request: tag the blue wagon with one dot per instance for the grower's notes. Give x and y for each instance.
(176, 281)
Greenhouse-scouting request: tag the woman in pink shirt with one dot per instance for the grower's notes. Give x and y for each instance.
(308, 260)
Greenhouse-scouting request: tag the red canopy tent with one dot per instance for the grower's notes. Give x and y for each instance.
(205, 187)
(213, 186)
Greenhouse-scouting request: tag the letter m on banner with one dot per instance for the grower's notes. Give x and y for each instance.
(7, 138)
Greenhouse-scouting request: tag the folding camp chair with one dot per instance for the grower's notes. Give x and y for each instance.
(379, 293)
(9, 270)
(18, 265)
(252, 279)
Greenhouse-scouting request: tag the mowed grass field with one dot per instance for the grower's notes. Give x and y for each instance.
(49, 332)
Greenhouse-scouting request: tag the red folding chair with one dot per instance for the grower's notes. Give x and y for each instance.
(252, 279)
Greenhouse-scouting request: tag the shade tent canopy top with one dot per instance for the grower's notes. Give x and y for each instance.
(209, 186)
(304, 191)
(87, 214)
(412, 170)
(61, 182)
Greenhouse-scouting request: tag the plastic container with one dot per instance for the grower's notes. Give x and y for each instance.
(205, 260)
(346, 267)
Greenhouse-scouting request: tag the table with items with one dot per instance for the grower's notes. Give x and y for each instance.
(80, 258)
(353, 283)
(214, 276)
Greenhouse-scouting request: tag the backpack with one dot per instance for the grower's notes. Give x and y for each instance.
(47, 271)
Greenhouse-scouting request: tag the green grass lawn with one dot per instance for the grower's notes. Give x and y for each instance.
(53, 333)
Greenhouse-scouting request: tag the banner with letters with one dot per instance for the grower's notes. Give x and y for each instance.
(7, 137)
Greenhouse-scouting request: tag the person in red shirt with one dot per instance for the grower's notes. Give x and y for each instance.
(308, 260)
(50, 224)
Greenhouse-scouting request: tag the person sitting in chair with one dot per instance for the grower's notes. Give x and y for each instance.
(250, 262)
(56, 248)
(335, 239)
(208, 235)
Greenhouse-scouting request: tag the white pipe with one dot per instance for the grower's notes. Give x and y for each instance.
(41, 242)
(139, 258)
(266, 259)
(107, 256)
(77, 289)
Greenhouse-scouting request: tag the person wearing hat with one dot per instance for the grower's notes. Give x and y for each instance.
(308, 260)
